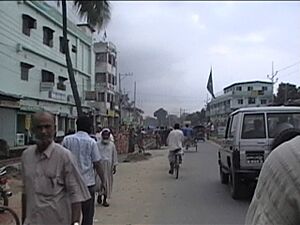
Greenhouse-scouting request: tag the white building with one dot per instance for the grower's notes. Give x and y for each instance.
(33, 70)
(106, 84)
(238, 95)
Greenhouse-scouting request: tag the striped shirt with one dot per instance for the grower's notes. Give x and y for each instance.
(277, 196)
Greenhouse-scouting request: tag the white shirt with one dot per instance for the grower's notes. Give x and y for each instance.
(85, 151)
(277, 196)
(175, 139)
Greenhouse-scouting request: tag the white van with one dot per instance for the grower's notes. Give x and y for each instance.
(248, 139)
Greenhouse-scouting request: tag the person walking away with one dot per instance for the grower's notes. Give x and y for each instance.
(188, 134)
(277, 196)
(174, 140)
(109, 163)
(53, 187)
(85, 150)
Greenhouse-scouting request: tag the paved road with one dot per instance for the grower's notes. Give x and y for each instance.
(145, 193)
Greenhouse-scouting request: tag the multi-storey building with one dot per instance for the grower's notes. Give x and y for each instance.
(33, 70)
(106, 83)
(238, 95)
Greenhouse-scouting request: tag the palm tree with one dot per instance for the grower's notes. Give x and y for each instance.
(97, 14)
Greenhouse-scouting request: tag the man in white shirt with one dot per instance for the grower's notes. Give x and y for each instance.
(174, 140)
(86, 153)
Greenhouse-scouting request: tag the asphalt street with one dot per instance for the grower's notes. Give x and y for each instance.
(144, 192)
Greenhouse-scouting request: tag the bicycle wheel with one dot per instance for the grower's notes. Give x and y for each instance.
(177, 170)
(12, 213)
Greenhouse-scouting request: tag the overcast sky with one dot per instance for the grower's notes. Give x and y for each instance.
(170, 46)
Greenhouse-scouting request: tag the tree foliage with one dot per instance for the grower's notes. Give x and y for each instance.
(286, 92)
(196, 118)
(161, 116)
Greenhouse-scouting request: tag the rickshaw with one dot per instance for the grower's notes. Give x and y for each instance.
(199, 133)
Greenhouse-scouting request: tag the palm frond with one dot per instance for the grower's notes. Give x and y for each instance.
(96, 13)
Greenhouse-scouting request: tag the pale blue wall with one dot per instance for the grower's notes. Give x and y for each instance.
(36, 53)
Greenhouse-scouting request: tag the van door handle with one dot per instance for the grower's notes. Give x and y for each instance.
(260, 142)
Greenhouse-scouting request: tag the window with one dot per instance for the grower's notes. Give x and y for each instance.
(100, 77)
(61, 45)
(280, 121)
(47, 76)
(101, 97)
(234, 125)
(263, 101)
(25, 67)
(28, 24)
(101, 57)
(254, 126)
(114, 80)
(110, 78)
(74, 48)
(264, 88)
(48, 36)
(110, 97)
(114, 62)
(250, 88)
(239, 88)
(251, 100)
(240, 101)
(60, 84)
(111, 59)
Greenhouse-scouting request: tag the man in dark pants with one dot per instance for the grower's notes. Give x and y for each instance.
(85, 151)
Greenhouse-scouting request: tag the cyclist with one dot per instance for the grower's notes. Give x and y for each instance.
(175, 140)
(188, 135)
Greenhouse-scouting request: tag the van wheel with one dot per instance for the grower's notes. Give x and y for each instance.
(234, 185)
(224, 177)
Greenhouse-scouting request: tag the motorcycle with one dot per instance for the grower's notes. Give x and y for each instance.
(4, 188)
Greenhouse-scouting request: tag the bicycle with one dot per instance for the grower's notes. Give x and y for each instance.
(177, 162)
(12, 213)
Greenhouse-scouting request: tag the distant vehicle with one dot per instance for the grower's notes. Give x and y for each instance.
(248, 139)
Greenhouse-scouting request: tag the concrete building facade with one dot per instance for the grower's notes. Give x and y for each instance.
(33, 70)
(106, 84)
(238, 95)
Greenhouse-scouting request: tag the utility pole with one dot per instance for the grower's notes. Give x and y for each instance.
(134, 109)
(120, 92)
(273, 80)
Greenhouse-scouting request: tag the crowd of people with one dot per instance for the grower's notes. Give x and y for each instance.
(61, 179)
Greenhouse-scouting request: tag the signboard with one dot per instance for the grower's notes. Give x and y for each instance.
(90, 95)
(57, 95)
(10, 104)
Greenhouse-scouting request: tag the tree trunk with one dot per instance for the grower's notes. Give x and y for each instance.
(69, 61)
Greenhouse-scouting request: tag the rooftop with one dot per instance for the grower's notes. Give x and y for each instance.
(248, 82)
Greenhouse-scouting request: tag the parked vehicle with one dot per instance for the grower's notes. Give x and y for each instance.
(248, 139)
(4, 189)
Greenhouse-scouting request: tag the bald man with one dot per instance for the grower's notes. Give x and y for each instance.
(53, 187)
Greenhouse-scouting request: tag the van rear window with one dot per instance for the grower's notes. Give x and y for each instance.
(278, 122)
(254, 126)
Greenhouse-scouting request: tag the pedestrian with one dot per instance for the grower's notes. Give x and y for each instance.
(109, 163)
(53, 186)
(85, 151)
(277, 195)
(98, 133)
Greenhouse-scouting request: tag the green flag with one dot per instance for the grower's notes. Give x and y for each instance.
(210, 84)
